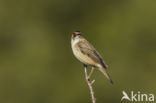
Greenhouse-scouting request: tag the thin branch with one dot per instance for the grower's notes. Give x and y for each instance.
(90, 83)
(91, 72)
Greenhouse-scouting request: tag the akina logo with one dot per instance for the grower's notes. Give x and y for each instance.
(137, 97)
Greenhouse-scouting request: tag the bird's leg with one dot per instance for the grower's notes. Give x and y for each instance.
(85, 66)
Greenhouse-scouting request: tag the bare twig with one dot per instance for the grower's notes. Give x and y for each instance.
(91, 72)
(90, 83)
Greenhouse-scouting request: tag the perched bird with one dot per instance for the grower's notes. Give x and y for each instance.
(87, 54)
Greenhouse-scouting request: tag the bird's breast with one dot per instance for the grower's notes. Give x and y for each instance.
(82, 56)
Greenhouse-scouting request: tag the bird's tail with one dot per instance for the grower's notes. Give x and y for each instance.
(103, 70)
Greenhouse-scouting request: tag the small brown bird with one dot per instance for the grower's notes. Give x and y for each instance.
(87, 54)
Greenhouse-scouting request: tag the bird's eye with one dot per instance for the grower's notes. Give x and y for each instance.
(74, 35)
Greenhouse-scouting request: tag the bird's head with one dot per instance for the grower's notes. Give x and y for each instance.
(76, 34)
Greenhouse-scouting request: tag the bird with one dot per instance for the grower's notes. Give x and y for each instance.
(87, 54)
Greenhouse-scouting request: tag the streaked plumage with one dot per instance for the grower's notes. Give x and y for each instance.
(87, 54)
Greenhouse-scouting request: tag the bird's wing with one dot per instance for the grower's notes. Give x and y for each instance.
(87, 49)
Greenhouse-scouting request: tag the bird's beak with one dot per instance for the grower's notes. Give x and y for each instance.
(74, 35)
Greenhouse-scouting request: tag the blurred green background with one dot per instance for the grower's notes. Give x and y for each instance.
(36, 61)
